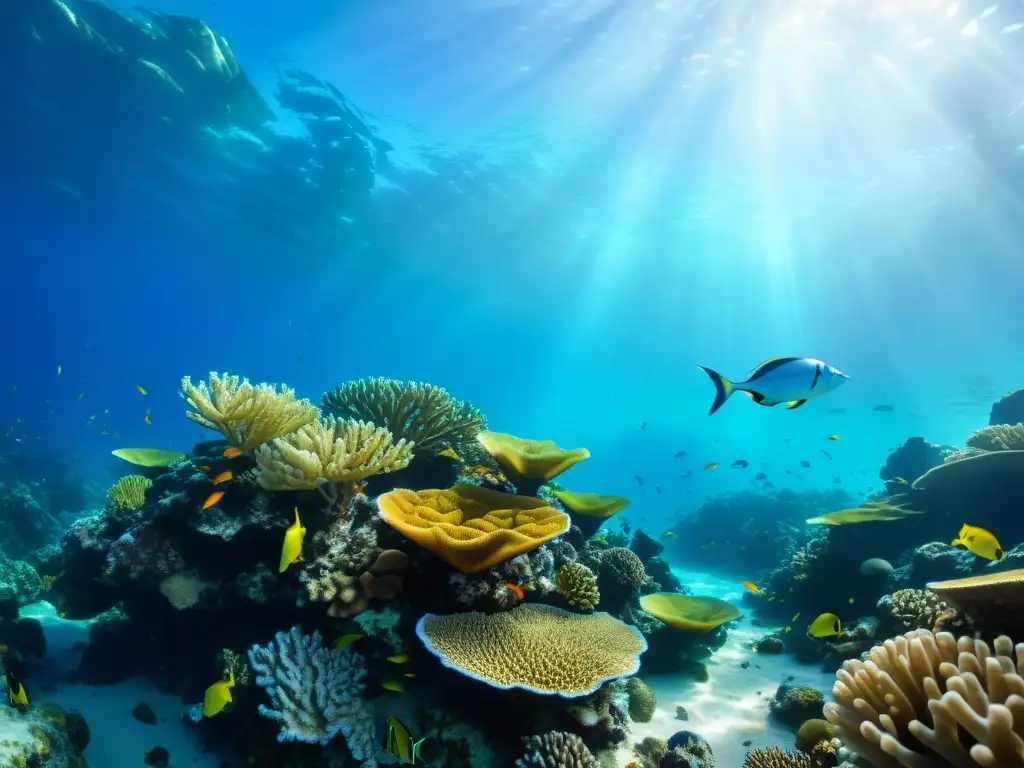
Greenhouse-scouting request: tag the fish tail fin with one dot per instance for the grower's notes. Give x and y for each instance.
(723, 388)
(416, 749)
(955, 542)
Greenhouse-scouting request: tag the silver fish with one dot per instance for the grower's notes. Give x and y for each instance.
(789, 380)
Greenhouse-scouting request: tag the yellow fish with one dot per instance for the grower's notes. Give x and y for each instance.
(142, 390)
(826, 625)
(788, 630)
(669, 535)
(16, 695)
(751, 586)
(833, 437)
(979, 541)
(795, 616)
(451, 454)
(347, 639)
(292, 548)
(712, 465)
(393, 685)
(399, 658)
(399, 743)
(218, 695)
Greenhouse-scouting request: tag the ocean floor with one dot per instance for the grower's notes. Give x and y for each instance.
(732, 707)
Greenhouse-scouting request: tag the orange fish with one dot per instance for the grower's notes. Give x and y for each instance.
(230, 453)
(712, 465)
(358, 487)
(212, 499)
(204, 467)
(223, 477)
(751, 586)
(516, 588)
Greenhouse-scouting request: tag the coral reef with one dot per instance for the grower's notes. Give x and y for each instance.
(991, 601)
(619, 575)
(556, 749)
(933, 561)
(642, 701)
(129, 493)
(918, 609)
(1009, 409)
(796, 704)
(812, 732)
(578, 585)
(774, 757)
(912, 459)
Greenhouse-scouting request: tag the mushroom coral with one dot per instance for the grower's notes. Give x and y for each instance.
(472, 528)
(692, 613)
(536, 647)
(530, 462)
(590, 510)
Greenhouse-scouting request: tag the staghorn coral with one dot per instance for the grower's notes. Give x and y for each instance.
(924, 699)
(336, 450)
(538, 648)
(420, 413)
(774, 757)
(642, 700)
(1002, 437)
(316, 693)
(472, 528)
(578, 585)
(248, 416)
(556, 749)
(129, 493)
(919, 609)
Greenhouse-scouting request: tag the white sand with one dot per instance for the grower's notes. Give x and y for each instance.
(727, 709)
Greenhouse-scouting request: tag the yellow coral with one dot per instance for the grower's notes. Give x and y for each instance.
(248, 416)
(534, 459)
(332, 449)
(1000, 437)
(149, 457)
(472, 528)
(420, 413)
(689, 612)
(535, 647)
(578, 585)
(591, 504)
(130, 492)
(774, 757)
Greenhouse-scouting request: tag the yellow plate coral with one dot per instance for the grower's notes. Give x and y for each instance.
(470, 527)
(592, 504)
(149, 457)
(689, 612)
(539, 648)
(534, 459)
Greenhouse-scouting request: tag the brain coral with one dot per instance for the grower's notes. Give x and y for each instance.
(930, 700)
(470, 527)
(535, 647)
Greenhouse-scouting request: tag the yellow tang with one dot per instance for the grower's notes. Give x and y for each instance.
(218, 695)
(348, 639)
(751, 586)
(398, 658)
(291, 550)
(979, 541)
(826, 625)
(393, 685)
(400, 744)
(16, 695)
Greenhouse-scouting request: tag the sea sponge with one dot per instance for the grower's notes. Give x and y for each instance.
(531, 459)
(557, 749)
(642, 700)
(924, 699)
(692, 613)
(420, 413)
(774, 757)
(811, 732)
(129, 493)
(248, 416)
(535, 647)
(472, 528)
(578, 585)
(993, 602)
(337, 450)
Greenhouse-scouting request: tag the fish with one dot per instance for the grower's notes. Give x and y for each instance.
(347, 639)
(218, 695)
(516, 589)
(825, 453)
(826, 625)
(397, 686)
(805, 464)
(146, 418)
(450, 453)
(398, 742)
(740, 464)
(669, 535)
(686, 474)
(399, 658)
(204, 467)
(291, 550)
(751, 586)
(885, 408)
(678, 454)
(59, 370)
(787, 630)
(410, 675)
(639, 480)
(789, 380)
(712, 465)
(142, 389)
(657, 490)
(760, 476)
(852, 601)
(230, 453)
(643, 426)
(223, 477)
(795, 617)
(212, 499)
(979, 541)
(16, 695)
(833, 438)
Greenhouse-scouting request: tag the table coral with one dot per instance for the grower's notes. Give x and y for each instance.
(693, 613)
(530, 462)
(535, 647)
(472, 528)
(992, 601)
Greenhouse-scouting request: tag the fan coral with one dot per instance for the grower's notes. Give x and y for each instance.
(182, 590)
(129, 493)
(415, 412)
(774, 757)
(578, 585)
(557, 749)
(642, 701)
(925, 699)
(472, 528)
(316, 692)
(535, 647)
(331, 449)
(248, 416)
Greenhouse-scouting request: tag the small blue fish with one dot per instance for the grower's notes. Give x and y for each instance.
(789, 380)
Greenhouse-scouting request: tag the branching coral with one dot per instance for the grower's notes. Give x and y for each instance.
(930, 700)
(774, 757)
(920, 609)
(248, 416)
(556, 749)
(316, 693)
(337, 450)
(420, 413)
(129, 493)
(578, 585)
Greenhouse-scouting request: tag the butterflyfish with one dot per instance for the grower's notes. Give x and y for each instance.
(789, 380)
(788, 630)
(979, 541)
(230, 453)
(399, 743)
(826, 625)
(291, 550)
(395, 686)
(16, 695)
(347, 639)
(212, 499)
(142, 389)
(751, 586)
(223, 477)
(399, 658)
(218, 695)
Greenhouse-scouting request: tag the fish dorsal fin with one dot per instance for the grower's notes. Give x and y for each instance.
(794, 404)
(298, 523)
(769, 365)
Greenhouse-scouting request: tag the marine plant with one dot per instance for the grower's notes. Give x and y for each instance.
(129, 493)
